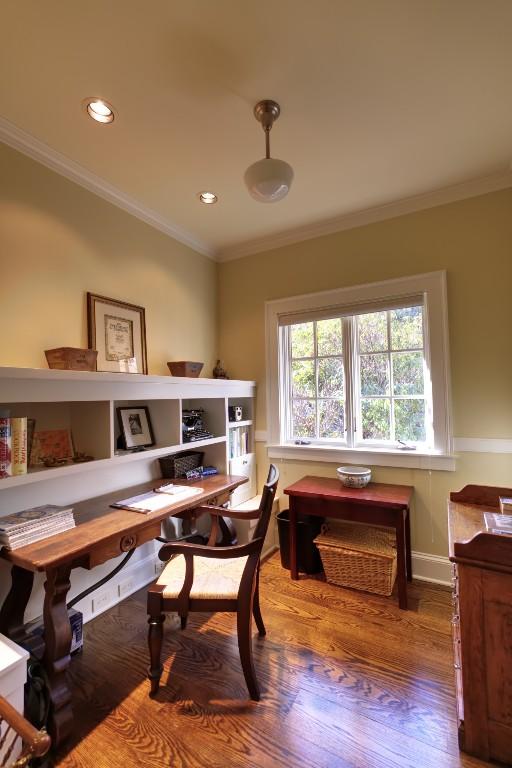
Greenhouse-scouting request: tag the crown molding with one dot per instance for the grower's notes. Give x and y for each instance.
(451, 194)
(24, 142)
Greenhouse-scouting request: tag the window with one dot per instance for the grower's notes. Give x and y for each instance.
(363, 368)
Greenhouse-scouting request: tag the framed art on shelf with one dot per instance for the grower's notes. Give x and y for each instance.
(117, 330)
(135, 427)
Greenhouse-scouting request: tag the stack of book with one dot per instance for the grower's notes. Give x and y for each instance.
(31, 525)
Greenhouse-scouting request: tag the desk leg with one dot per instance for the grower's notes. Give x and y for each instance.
(57, 635)
(401, 561)
(408, 544)
(294, 573)
(12, 614)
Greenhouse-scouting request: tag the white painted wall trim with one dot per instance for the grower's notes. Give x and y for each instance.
(338, 455)
(482, 445)
(24, 142)
(443, 196)
(432, 568)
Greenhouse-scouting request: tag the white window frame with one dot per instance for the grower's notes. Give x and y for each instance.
(432, 287)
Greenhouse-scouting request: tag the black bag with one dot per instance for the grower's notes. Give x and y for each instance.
(37, 696)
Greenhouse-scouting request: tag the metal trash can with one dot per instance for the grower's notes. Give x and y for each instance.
(308, 527)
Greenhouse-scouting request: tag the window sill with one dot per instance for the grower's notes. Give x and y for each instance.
(377, 458)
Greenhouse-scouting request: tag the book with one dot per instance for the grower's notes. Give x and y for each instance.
(505, 504)
(498, 523)
(19, 445)
(31, 425)
(23, 542)
(5, 445)
(51, 444)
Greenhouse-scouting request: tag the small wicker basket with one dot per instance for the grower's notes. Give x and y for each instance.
(358, 556)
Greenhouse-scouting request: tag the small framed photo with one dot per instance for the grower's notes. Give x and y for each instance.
(135, 427)
(117, 330)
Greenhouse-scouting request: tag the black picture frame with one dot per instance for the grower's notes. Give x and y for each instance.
(135, 427)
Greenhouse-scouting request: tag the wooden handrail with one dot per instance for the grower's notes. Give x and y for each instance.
(35, 743)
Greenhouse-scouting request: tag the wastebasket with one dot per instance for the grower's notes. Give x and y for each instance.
(308, 527)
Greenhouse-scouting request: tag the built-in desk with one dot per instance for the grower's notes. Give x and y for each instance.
(101, 533)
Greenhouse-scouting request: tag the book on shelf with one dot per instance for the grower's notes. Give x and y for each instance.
(238, 442)
(498, 523)
(5, 445)
(19, 445)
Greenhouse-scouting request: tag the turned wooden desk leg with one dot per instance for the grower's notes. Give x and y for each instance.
(408, 543)
(294, 573)
(401, 561)
(57, 635)
(12, 614)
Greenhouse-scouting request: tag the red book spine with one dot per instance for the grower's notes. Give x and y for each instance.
(5, 447)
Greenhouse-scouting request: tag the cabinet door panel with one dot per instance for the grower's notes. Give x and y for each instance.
(498, 651)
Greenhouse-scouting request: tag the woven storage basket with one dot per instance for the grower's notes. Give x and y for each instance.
(179, 464)
(358, 556)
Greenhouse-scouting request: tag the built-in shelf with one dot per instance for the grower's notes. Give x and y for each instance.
(246, 423)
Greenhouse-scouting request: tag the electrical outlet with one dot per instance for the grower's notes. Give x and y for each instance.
(103, 600)
(126, 587)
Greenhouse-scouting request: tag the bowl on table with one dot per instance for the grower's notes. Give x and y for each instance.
(354, 477)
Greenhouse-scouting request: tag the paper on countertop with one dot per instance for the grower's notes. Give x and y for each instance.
(154, 502)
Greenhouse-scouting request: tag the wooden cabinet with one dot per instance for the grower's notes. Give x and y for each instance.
(482, 624)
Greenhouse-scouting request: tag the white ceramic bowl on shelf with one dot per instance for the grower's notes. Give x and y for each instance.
(354, 477)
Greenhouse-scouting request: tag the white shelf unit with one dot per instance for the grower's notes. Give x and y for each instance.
(87, 403)
(242, 462)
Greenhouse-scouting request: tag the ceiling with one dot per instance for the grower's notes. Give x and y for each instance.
(381, 101)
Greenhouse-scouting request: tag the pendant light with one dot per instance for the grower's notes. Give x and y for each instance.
(268, 180)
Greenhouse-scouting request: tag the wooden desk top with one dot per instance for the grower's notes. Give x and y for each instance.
(374, 494)
(97, 523)
(470, 541)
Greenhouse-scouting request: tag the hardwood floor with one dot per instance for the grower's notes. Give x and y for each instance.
(347, 680)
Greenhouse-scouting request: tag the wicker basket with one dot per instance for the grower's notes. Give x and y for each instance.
(358, 556)
(179, 464)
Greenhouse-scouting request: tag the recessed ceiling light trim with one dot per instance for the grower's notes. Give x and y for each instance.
(208, 198)
(99, 110)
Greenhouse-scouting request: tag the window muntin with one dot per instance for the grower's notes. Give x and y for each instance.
(386, 400)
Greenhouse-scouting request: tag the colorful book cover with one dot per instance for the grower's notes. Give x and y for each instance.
(5, 447)
(19, 445)
(46, 511)
(52, 444)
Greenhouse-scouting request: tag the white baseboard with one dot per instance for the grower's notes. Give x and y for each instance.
(432, 568)
(127, 581)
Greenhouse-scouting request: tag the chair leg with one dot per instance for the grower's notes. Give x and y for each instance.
(244, 620)
(155, 636)
(256, 608)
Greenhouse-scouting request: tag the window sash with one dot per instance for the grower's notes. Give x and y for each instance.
(352, 394)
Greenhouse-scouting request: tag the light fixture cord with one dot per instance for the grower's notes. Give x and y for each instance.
(267, 142)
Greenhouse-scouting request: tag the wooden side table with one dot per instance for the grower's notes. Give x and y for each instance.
(377, 504)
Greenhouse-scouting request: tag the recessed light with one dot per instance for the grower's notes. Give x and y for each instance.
(99, 109)
(208, 198)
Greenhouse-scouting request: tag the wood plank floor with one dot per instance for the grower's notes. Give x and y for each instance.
(348, 680)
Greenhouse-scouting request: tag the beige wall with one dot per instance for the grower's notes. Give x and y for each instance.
(472, 240)
(58, 241)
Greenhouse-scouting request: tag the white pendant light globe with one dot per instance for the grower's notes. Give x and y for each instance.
(269, 180)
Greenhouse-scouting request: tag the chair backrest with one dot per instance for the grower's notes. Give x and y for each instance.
(267, 500)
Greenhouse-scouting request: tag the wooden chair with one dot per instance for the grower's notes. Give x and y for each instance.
(14, 727)
(210, 578)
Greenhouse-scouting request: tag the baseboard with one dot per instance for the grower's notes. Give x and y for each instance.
(432, 568)
(129, 580)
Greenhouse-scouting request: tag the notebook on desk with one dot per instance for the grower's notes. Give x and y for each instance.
(154, 501)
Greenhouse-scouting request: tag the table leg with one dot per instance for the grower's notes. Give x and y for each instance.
(12, 614)
(401, 561)
(57, 634)
(408, 543)
(294, 573)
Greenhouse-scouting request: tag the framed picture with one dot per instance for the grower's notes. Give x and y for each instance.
(117, 330)
(135, 426)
